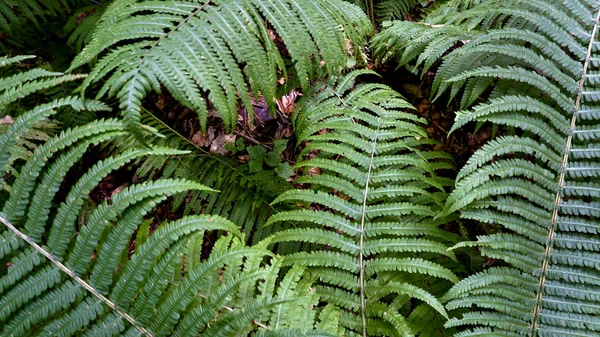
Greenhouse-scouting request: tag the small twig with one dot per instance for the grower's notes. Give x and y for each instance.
(77, 279)
(250, 139)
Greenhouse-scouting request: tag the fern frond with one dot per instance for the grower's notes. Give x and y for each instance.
(541, 65)
(223, 50)
(15, 87)
(373, 176)
(61, 280)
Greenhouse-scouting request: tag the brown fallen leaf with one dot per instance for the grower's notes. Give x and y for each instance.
(313, 171)
(117, 190)
(218, 144)
(6, 120)
(286, 103)
(204, 140)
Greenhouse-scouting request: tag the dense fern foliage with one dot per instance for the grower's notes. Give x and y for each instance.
(244, 197)
(95, 280)
(210, 54)
(362, 236)
(370, 209)
(23, 22)
(13, 11)
(81, 24)
(383, 10)
(540, 183)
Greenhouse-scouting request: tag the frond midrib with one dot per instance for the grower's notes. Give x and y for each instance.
(561, 180)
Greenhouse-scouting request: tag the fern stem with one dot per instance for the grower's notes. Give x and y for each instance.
(370, 11)
(561, 180)
(362, 234)
(77, 279)
(361, 276)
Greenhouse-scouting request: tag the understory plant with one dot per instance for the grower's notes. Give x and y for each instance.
(534, 63)
(363, 234)
(97, 268)
(369, 215)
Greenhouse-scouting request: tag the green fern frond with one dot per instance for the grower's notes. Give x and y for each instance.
(380, 11)
(59, 279)
(373, 177)
(539, 185)
(223, 50)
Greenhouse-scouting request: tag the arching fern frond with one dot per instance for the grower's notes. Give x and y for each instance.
(540, 185)
(68, 270)
(15, 87)
(222, 49)
(393, 9)
(368, 216)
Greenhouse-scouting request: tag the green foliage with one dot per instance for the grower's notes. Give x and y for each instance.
(383, 10)
(212, 54)
(536, 62)
(82, 23)
(259, 156)
(26, 25)
(13, 11)
(244, 195)
(358, 244)
(369, 212)
(93, 282)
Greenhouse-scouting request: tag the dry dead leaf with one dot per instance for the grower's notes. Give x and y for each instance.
(6, 120)
(286, 103)
(313, 171)
(218, 144)
(272, 35)
(204, 140)
(161, 102)
(117, 190)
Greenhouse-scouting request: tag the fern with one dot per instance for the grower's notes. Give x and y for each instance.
(221, 49)
(12, 11)
(82, 23)
(15, 87)
(540, 185)
(243, 197)
(369, 212)
(393, 9)
(58, 279)
(383, 10)
(25, 145)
